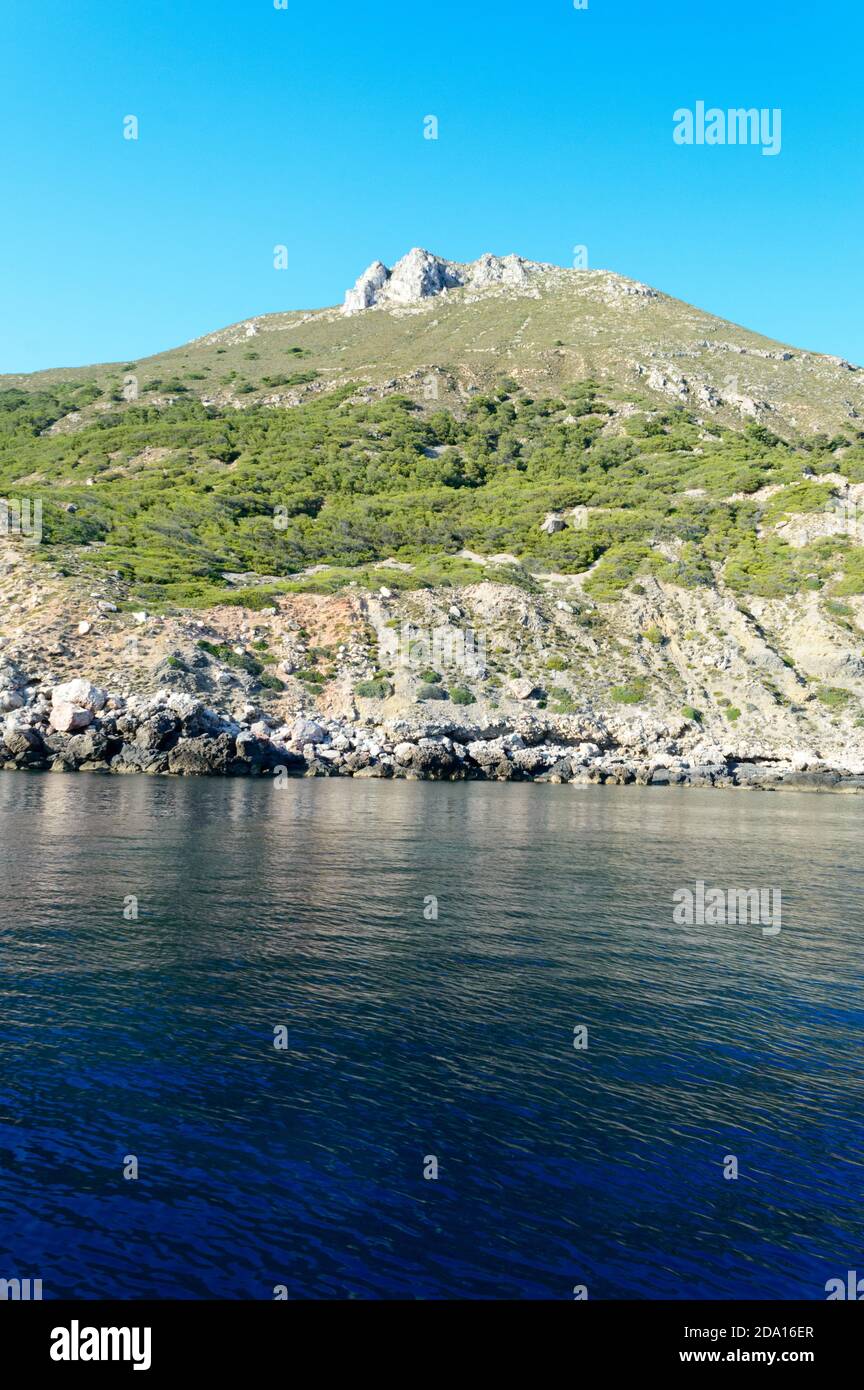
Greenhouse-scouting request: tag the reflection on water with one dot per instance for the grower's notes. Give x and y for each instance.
(406, 1037)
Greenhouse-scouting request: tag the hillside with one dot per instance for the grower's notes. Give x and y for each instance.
(558, 327)
(647, 517)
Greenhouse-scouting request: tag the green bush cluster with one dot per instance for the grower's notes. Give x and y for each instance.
(331, 482)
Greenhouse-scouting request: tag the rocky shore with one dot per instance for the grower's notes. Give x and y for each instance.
(79, 727)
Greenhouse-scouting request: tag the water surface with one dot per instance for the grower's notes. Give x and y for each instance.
(410, 1037)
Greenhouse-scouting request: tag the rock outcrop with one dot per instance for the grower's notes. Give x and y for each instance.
(420, 275)
(172, 733)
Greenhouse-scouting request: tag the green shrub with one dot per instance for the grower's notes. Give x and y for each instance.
(461, 695)
(632, 693)
(833, 697)
(241, 661)
(373, 690)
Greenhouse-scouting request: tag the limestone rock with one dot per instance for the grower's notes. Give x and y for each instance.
(522, 689)
(307, 731)
(67, 718)
(81, 693)
(365, 291)
(420, 275)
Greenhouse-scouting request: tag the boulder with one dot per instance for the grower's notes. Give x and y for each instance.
(487, 752)
(431, 759)
(81, 693)
(202, 756)
(532, 761)
(24, 746)
(522, 689)
(67, 718)
(134, 759)
(157, 731)
(560, 771)
(307, 731)
(90, 747)
(255, 754)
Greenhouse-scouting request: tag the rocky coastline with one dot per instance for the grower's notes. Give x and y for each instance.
(79, 727)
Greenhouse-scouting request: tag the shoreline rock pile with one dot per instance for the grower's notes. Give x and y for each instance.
(78, 727)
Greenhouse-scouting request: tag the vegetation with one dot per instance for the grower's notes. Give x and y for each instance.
(461, 695)
(633, 693)
(833, 697)
(373, 690)
(182, 494)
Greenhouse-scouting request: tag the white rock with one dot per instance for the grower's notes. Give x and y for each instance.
(330, 755)
(365, 291)
(421, 275)
(306, 731)
(67, 718)
(522, 689)
(79, 692)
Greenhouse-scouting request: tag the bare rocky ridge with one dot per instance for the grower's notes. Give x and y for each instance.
(420, 275)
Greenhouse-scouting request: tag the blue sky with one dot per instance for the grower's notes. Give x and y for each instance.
(304, 127)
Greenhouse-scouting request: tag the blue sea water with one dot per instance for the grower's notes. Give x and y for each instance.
(411, 1037)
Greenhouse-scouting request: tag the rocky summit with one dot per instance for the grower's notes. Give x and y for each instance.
(493, 518)
(420, 275)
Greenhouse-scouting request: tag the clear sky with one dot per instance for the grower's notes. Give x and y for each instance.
(303, 127)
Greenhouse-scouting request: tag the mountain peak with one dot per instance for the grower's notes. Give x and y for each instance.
(421, 275)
